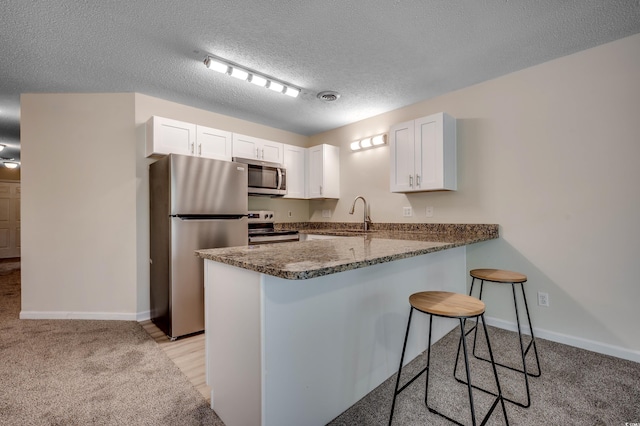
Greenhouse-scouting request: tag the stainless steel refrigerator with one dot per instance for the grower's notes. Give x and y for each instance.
(195, 203)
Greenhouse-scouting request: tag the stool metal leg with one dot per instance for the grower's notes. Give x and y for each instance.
(523, 351)
(404, 347)
(462, 343)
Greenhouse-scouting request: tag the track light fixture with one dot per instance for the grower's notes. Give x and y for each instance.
(225, 67)
(369, 142)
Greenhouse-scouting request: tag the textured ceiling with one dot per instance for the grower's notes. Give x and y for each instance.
(379, 54)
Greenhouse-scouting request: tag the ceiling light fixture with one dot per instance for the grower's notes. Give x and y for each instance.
(2, 146)
(11, 164)
(242, 73)
(369, 142)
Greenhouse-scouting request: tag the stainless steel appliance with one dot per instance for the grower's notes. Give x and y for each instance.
(195, 203)
(262, 229)
(265, 178)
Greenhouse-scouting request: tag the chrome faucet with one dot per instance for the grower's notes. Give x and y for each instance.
(365, 219)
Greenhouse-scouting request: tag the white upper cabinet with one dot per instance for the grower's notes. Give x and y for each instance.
(423, 154)
(295, 159)
(257, 149)
(213, 143)
(323, 171)
(167, 136)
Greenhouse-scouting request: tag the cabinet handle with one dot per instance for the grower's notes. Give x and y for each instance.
(258, 153)
(192, 148)
(320, 189)
(417, 180)
(199, 149)
(263, 153)
(411, 181)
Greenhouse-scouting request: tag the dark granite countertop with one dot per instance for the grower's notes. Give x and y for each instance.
(315, 258)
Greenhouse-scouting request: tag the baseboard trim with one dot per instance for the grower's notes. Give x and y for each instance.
(143, 316)
(111, 316)
(578, 342)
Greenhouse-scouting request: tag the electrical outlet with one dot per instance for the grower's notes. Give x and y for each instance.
(429, 211)
(290, 213)
(406, 211)
(543, 299)
(326, 213)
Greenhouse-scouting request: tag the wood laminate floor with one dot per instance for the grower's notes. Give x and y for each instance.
(187, 353)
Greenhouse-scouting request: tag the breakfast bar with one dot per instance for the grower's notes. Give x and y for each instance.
(298, 332)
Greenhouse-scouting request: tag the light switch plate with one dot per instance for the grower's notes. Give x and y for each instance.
(406, 211)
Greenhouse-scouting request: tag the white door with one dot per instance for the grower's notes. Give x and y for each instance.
(315, 172)
(9, 219)
(401, 145)
(294, 164)
(213, 143)
(272, 152)
(429, 156)
(245, 146)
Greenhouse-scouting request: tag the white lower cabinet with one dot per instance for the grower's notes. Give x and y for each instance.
(167, 136)
(295, 163)
(323, 171)
(423, 154)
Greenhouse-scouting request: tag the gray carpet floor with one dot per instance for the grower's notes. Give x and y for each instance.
(577, 387)
(71, 372)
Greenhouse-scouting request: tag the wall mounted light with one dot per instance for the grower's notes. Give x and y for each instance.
(242, 73)
(369, 142)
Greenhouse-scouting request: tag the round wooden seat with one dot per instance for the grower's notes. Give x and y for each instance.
(446, 304)
(498, 275)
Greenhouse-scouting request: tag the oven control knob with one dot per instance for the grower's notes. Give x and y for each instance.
(270, 216)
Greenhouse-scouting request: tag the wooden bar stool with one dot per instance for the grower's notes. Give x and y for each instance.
(513, 278)
(448, 305)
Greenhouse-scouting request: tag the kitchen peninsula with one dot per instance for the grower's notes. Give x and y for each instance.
(298, 332)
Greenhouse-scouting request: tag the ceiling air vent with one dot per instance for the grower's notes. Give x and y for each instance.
(328, 96)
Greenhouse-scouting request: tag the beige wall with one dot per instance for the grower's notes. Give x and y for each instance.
(78, 201)
(85, 204)
(551, 154)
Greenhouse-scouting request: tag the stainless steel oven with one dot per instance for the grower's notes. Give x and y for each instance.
(265, 178)
(262, 229)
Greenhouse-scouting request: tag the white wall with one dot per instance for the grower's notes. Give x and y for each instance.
(78, 201)
(551, 154)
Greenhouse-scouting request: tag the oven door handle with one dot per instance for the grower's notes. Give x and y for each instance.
(273, 238)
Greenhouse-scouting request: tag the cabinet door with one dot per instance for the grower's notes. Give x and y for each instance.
(271, 151)
(167, 136)
(324, 171)
(331, 171)
(213, 143)
(315, 172)
(402, 150)
(245, 146)
(435, 159)
(294, 163)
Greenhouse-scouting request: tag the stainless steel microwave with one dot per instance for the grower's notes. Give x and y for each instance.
(265, 178)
